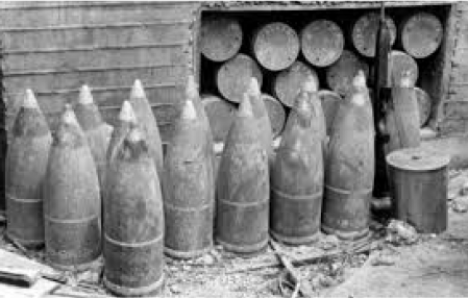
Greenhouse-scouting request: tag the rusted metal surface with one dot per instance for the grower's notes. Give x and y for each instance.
(275, 46)
(297, 178)
(133, 220)
(149, 125)
(98, 133)
(322, 42)
(424, 105)
(288, 82)
(233, 77)
(364, 33)
(330, 104)
(220, 113)
(26, 166)
(72, 204)
(262, 117)
(402, 117)
(349, 174)
(400, 63)
(419, 187)
(276, 114)
(341, 73)
(190, 187)
(221, 38)
(421, 34)
(243, 187)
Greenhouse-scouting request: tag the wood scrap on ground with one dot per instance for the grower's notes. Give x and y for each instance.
(37, 289)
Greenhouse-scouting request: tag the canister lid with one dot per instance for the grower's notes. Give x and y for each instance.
(417, 159)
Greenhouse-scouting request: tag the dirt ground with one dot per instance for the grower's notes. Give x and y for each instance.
(434, 266)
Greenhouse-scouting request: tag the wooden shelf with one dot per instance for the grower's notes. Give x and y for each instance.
(295, 7)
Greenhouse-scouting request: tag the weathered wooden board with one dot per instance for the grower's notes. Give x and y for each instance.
(460, 56)
(34, 4)
(33, 15)
(98, 58)
(39, 289)
(74, 80)
(94, 37)
(456, 110)
(459, 74)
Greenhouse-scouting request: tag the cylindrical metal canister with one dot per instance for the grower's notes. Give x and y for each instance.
(97, 132)
(220, 113)
(134, 220)
(419, 188)
(276, 114)
(421, 34)
(233, 77)
(275, 46)
(188, 206)
(341, 73)
(243, 186)
(322, 42)
(349, 173)
(424, 105)
(330, 104)
(221, 38)
(287, 83)
(148, 122)
(26, 166)
(401, 63)
(297, 178)
(72, 204)
(364, 33)
(402, 116)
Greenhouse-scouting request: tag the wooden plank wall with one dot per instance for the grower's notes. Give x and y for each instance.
(455, 119)
(55, 47)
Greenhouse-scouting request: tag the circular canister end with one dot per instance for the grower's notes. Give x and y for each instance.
(417, 159)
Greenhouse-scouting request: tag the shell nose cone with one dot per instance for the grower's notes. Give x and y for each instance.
(189, 112)
(85, 96)
(69, 116)
(30, 100)
(135, 135)
(192, 87)
(245, 109)
(137, 90)
(254, 87)
(127, 113)
(359, 99)
(309, 84)
(406, 80)
(359, 81)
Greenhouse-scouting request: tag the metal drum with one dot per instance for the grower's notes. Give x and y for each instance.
(419, 188)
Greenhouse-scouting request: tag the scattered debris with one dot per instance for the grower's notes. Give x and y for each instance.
(401, 233)
(299, 284)
(459, 207)
(383, 260)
